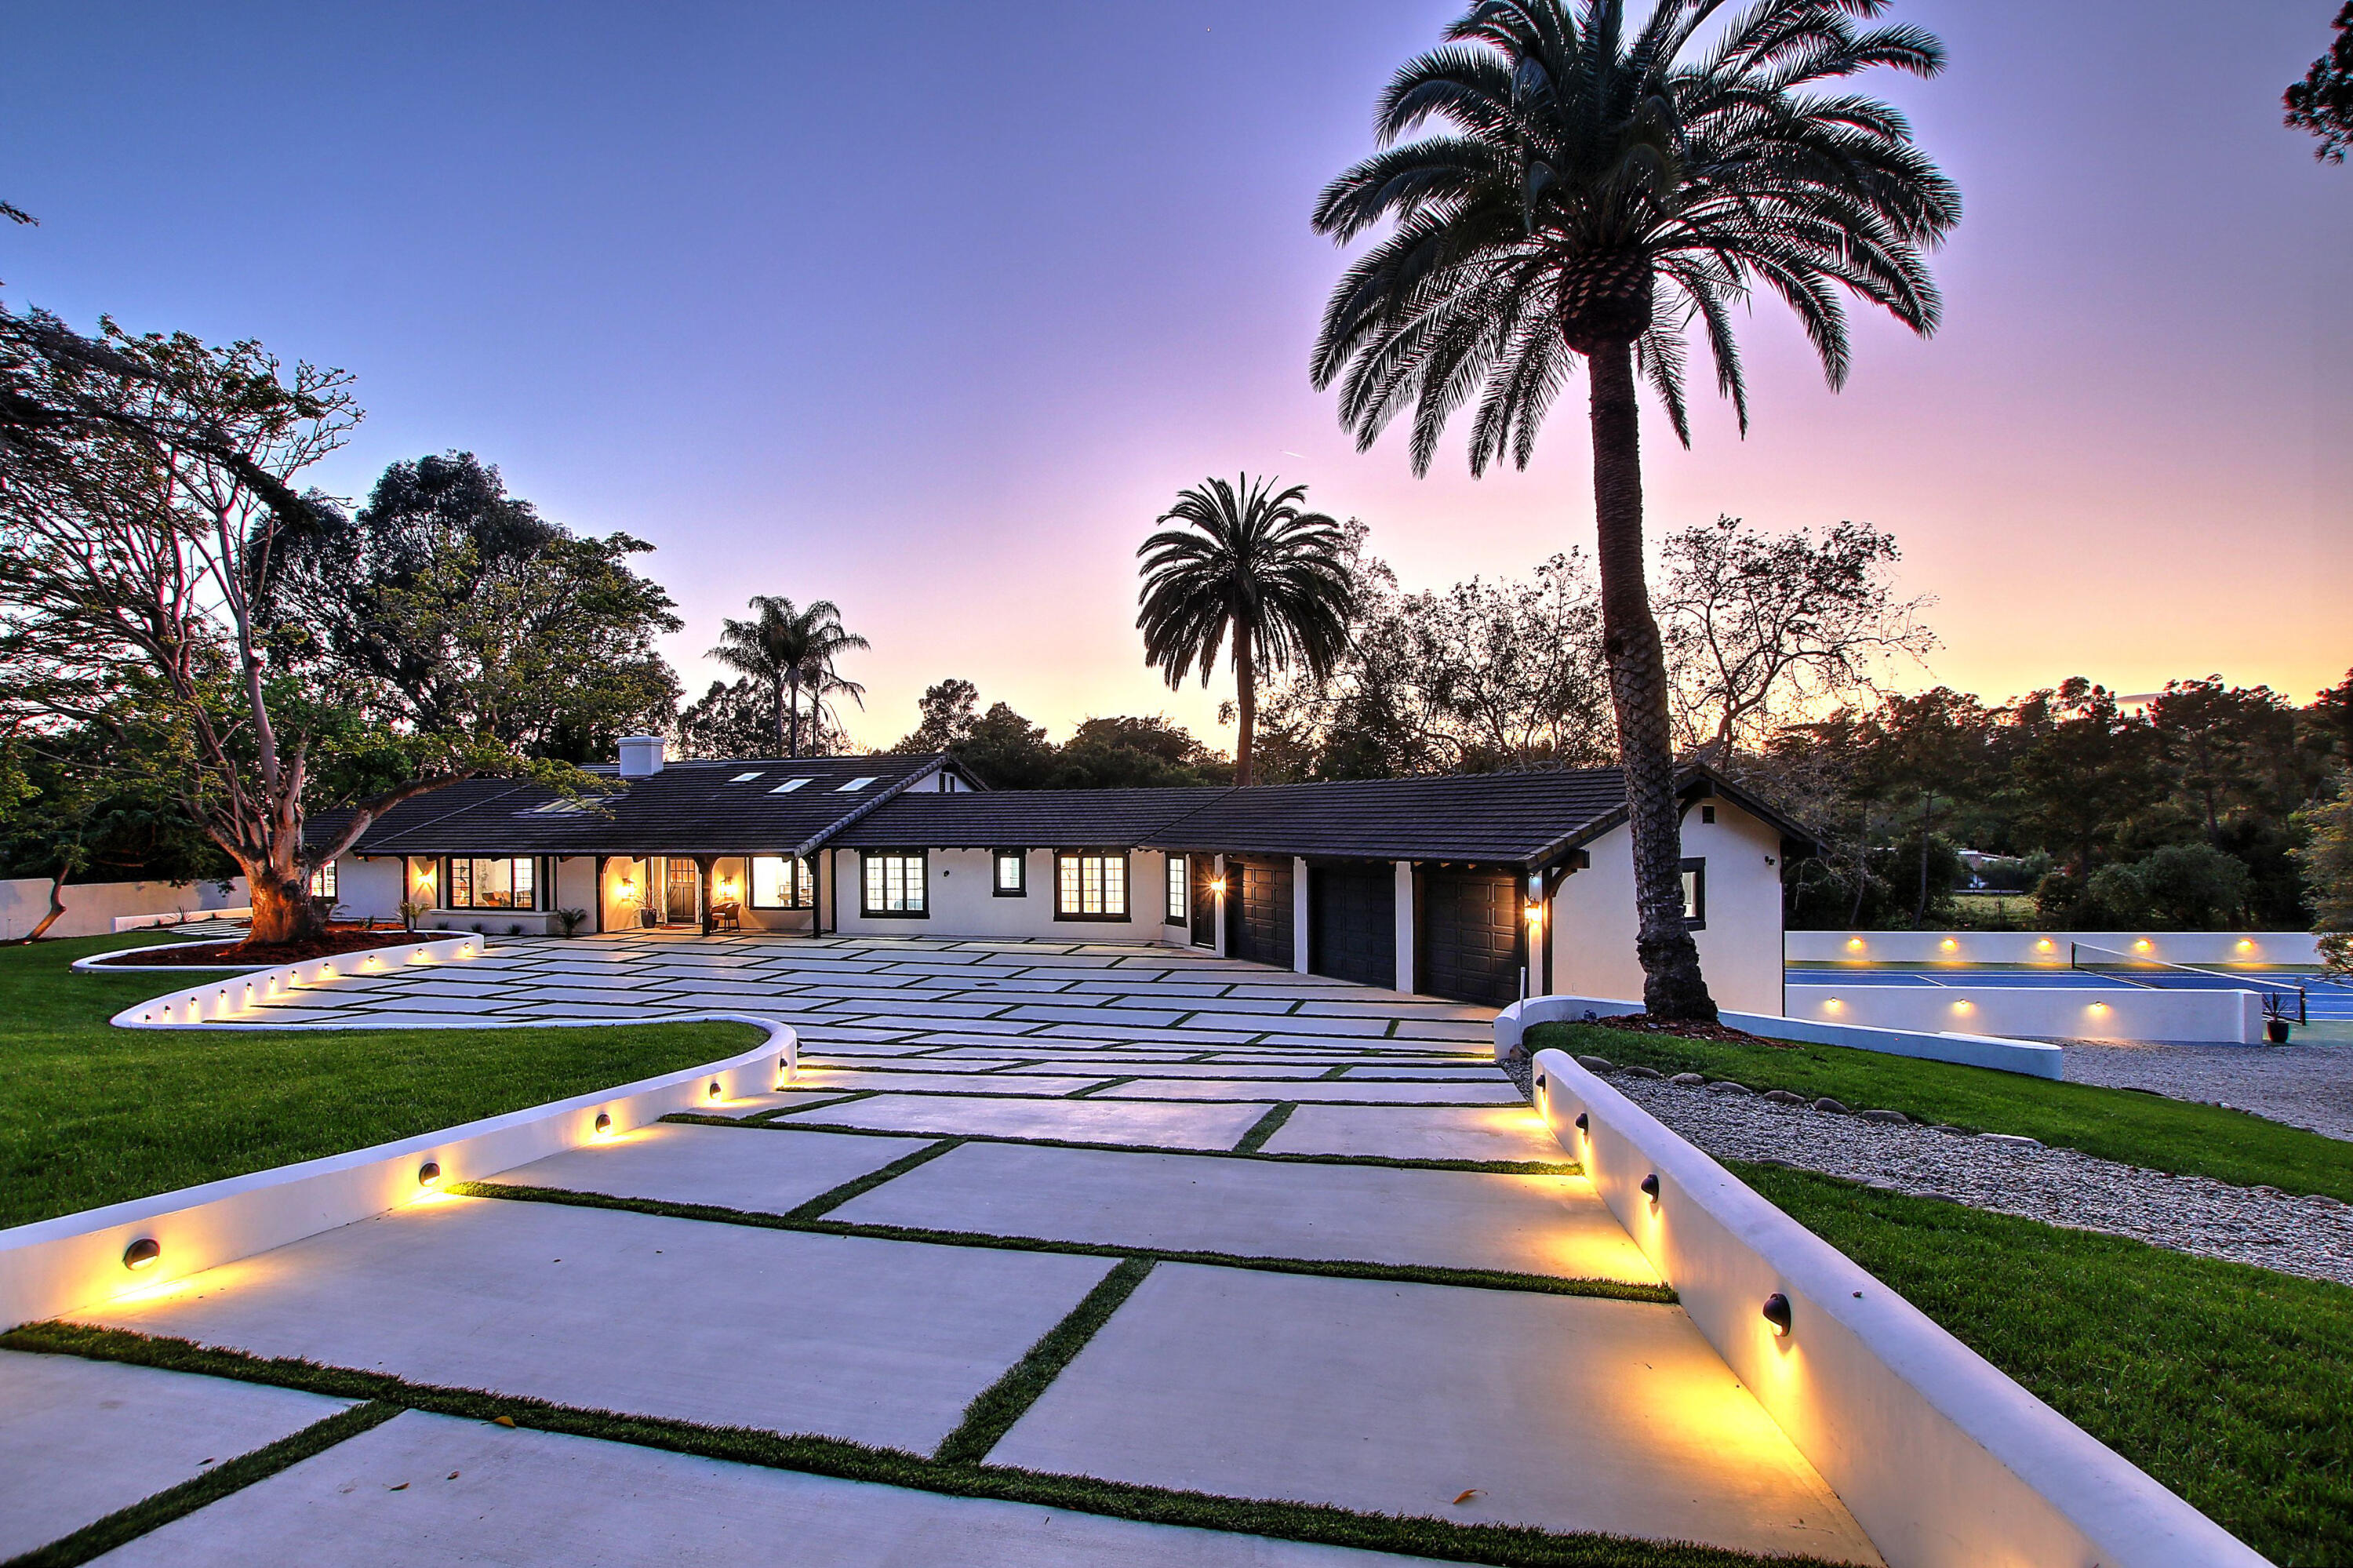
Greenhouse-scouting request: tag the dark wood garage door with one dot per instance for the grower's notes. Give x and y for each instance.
(1351, 923)
(1258, 897)
(1471, 947)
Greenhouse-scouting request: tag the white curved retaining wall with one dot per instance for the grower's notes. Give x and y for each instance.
(2069, 1012)
(54, 1266)
(1942, 1459)
(2034, 1057)
(228, 1000)
(2049, 949)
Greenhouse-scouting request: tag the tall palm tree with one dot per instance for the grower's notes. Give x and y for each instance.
(1589, 194)
(1251, 563)
(788, 649)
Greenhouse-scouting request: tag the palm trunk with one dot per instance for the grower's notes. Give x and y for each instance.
(793, 747)
(1672, 987)
(777, 709)
(1245, 703)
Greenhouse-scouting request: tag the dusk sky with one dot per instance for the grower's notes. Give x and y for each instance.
(931, 309)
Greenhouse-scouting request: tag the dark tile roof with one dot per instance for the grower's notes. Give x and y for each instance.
(1026, 819)
(687, 808)
(1517, 818)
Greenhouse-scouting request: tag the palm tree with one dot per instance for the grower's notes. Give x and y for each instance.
(1252, 564)
(1589, 196)
(789, 650)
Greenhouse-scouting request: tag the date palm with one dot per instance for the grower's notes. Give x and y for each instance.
(789, 650)
(1251, 564)
(1580, 192)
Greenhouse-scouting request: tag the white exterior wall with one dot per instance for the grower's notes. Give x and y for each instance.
(1593, 920)
(960, 900)
(92, 907)
(371, 887)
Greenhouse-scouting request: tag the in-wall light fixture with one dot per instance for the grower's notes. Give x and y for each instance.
(142, 1253)
(1776, 1312)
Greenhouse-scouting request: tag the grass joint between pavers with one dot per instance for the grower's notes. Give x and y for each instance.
(992, 1414)
(1264, 1128)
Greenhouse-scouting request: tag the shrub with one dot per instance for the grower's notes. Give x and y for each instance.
(569, 921)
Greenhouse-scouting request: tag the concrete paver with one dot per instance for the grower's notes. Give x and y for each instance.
(876, 1342)
(713, 1165)
(1569, 1413)
(476, 1493)
(1451, 1219)
(1419, 1132)
(79, 1440)
(1090, 1121)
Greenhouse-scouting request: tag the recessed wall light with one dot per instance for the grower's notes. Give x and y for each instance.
(429, 1173)
(142, 1253)
(1651, 1186)
(1776, 1312)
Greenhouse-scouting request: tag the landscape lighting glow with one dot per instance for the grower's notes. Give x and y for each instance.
(1651, 1186)
(2141, 946)
(1219, 887)
(1855, 944)
(429, 1174)
(604, 1125)
(1948, 943)
(1776, 1312)
(142, 1253)
(1834, 1004)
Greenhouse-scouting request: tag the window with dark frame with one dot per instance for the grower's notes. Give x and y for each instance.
(1179, 910)
(1695, 894)
(323, 881)
(892, 887)
(478, 881)
(1091, 884)
(782, 882)
(1009, 874)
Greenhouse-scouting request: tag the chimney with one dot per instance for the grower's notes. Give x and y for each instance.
(642, 756)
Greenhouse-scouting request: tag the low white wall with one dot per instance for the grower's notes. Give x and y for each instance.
(177, 918)
(56, 1266)
(2064, 1013)
(94, 908)
(2033, 1057)
(1944, 1461)
(2049, 949)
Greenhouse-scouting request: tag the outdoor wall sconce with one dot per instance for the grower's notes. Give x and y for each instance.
(429, 1173)
(603, 1124)
(1582, 1124)
(142, 1253)
(1776, 1312)
(714, 1090)
(1219, 887)
(1651, 1186)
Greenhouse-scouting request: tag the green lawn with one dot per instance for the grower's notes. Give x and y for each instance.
(2229, 1384)
(2125, 1125)
(92, 1114)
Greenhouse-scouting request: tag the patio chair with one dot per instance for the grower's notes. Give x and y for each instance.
(727, 917)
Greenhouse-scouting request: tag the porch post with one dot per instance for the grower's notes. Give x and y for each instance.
(1405, 934)
(1299, 914)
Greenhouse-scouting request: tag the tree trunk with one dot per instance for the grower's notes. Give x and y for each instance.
(793, 747)
(1927, 816)
(56, 909)
(1862, 869)
(1672, 987)
(776, 708)
(282, 910)
(1245, 702)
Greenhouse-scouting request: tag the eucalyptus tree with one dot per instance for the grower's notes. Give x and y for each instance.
(789, 650)
(1252, 564)
(1587, 193)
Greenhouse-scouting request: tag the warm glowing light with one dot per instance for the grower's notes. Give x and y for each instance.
(2141, 946)
(1535, 914)
(2043, 945)
(1219, 886)
(429, 1173)
(604, 1125)
(1777, 1313)
(1834, 1004)
(1963, 1006)
(142, 1253)
(2246, 946)
(1855, 944)
(1948, 943)
(2099, 1007)
(714, 1090)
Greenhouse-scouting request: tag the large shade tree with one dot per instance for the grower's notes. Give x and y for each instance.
(1587, 193)
(1252, 565)
(790, 651)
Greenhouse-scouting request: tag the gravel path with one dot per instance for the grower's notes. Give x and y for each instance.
(2309, 1086)
(2308, 1235)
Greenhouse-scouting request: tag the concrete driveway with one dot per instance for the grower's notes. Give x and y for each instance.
(1181, 1227)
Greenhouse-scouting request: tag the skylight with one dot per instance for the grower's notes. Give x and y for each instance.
(562, 806)
(742, 778)
(789, 786)
(852, 788)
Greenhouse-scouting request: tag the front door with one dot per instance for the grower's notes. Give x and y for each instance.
(682, 891)
(1205, 900)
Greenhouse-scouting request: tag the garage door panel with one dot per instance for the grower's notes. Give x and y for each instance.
(1260, 911)
(1353, 916)
(1472, 947)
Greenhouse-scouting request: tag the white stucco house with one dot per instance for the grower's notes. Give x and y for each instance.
(1478, 887)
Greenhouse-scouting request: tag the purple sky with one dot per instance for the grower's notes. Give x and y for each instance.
(934, 316)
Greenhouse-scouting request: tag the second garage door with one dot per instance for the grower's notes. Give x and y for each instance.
(1260, 911)
(1471, 950)
(1351, 923)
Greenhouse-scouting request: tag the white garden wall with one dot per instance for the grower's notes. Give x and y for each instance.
(2050, 949)
(93, 908)
(2033, 1057)
(2046, 1013)
(1944, 1460)
(1739, 949)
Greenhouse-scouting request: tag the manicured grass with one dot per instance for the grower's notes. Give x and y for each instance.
(2229, 1384)
(2125, 1125)
(90, 1114)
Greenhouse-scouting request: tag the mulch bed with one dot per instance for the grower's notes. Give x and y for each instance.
(1640, 1023)
(339, 939)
